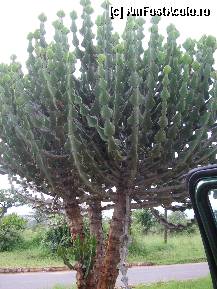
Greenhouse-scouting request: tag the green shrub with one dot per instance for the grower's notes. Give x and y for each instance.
(58, 233)
(11, 227)
(82, 250)
(33, 238)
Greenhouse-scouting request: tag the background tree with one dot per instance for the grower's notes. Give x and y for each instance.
(178, 218)
(40, 216)
(145, 218)
(165, 227)
(9, 199)
(132, 118)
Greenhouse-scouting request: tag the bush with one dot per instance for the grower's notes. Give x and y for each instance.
(11, 227)
(58, 233)
(33, 237)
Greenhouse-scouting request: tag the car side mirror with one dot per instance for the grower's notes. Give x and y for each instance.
(202, 187)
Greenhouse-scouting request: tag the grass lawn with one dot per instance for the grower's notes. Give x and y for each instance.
(179, 249)
(30, 254)
(145, 248)
(196, 284)
(33, 257)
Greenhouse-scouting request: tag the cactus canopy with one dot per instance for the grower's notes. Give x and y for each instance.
(102, 109)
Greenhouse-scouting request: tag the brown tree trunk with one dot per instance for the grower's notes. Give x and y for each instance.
(109, 271)
(165, 227)
(95, 218)
(105, 268)
(75, 222)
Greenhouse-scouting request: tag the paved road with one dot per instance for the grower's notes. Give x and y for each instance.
(137, 275)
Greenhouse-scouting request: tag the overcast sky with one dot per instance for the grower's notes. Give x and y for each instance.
(18, 18)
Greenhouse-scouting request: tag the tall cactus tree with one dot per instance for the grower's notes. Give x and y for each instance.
(135, 119)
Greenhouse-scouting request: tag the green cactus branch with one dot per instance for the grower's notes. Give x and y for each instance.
(130, 112)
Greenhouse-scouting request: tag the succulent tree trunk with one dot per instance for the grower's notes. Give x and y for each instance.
(109, 270)
(75, 222)
(105, 270)
(96, 229)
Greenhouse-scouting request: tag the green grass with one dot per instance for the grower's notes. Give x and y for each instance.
(183, 248)
(197, 284)
(29, 254)
(32, 257)
(204, 283)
